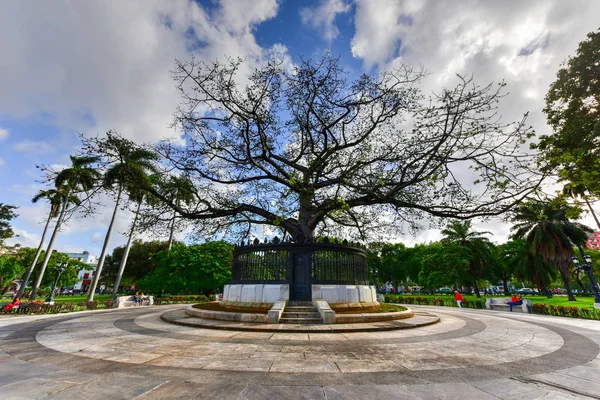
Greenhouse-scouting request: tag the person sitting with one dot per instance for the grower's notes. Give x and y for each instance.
(15, 303)
(138, 299)
(142, 298)
(515, 301)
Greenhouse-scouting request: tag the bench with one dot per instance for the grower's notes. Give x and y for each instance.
(500, 303)
(129, 301)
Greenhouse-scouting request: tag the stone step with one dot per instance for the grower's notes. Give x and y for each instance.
(302, 321)
(300, 303)
(300, 309)
(286, 314)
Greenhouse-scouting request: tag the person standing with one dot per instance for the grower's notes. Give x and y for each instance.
(458, 297)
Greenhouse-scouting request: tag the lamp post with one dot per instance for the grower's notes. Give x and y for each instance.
(587, 268)
(60, 268)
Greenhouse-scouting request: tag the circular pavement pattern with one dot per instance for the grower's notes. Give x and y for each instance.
(133, 353)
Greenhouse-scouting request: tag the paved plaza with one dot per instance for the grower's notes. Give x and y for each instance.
(133, 353)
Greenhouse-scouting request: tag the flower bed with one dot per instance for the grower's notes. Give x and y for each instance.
(537, 308)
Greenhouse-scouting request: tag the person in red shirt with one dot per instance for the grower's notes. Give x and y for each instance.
(515, 301)
(15, 303)
(458, 297)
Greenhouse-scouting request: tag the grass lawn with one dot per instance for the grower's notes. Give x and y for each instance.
(582, 302)
(78, 299)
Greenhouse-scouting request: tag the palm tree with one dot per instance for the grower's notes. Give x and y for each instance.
(130, 165)
(526, 265)
(79, 177)
(54, 197)
(137, 197)
(479, 247)
(547, 230)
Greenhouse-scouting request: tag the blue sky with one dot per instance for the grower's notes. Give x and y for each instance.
(87, 67)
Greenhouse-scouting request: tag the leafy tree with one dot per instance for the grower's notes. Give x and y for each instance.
(313, 153)
(55, 198)
(80, 177)
(10, 269)
(547, 229)
(128, 168)
(6, 214)
(443, 263)
(478, 247)
(573, 111)
(191, 269)
(141, 261)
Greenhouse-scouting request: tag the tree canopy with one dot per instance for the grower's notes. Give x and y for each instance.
(312, 152)
(6, 215)
(573, 112)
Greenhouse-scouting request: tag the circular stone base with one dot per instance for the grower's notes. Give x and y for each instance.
(180, 317)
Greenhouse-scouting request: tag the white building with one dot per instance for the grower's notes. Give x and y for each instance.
(85, 275)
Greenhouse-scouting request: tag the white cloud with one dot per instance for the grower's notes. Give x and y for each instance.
(33, 147)
(323, 17)
(94, 66)
(521, 43)
(2, 162)
(3, 133)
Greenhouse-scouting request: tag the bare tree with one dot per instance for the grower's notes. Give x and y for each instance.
(311, 152)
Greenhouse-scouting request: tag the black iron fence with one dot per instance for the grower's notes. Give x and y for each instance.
(331, 262)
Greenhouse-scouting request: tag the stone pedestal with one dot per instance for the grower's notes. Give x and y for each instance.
(255, 294)
(350, 295)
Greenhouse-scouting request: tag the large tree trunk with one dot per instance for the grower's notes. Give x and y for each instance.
(566, 278)
(505, 284)
(35, 259)
(48, 254)
(125, 254)
(476, 288)
(92, 288)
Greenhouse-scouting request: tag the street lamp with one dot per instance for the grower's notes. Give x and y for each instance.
(60, 268)
(587, 268)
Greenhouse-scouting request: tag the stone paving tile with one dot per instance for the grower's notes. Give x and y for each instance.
(35, 388)
(303, 348)
(240, 365)
(368, 392)
(578, 385)
(133, 358)
(449, 391)
(304, 366)
(329, 356)
(190, 390)
(370, 366)
(304, 392)
(181, 362)
(277, 355)
(511, 389)
(289, 336)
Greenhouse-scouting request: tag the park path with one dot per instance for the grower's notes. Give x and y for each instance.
(132, 353)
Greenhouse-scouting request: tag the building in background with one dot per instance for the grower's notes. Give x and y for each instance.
(593, 241)
(85, 275)
(11, 250)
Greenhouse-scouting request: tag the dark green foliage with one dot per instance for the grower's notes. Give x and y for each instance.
(6, 215)
(548, 231)
(573, 111)
(140, 262)
(478, 248)
(200, 268)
